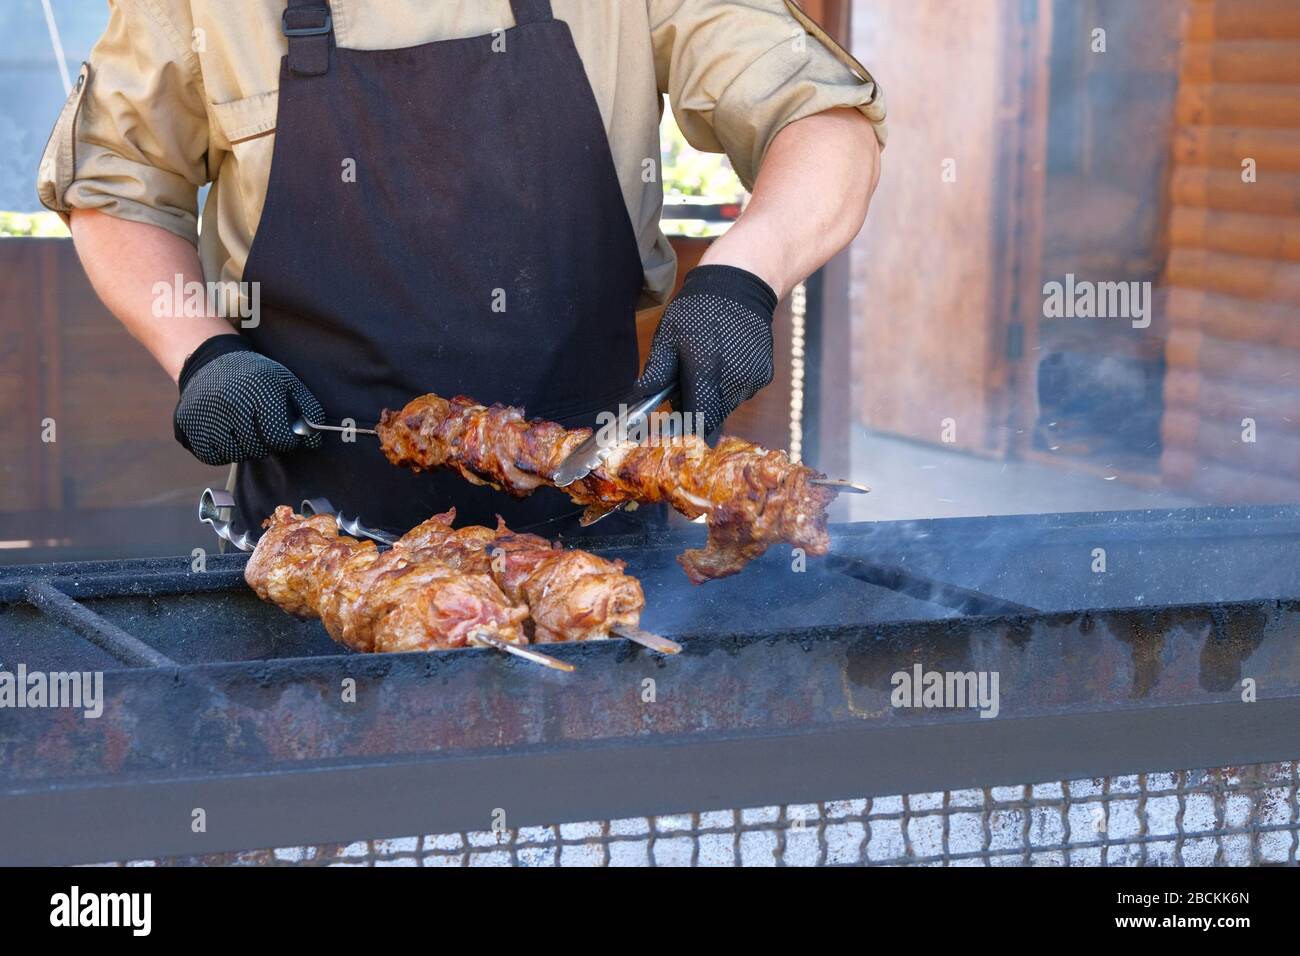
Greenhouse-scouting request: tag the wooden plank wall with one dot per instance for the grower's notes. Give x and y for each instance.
(114, 481)
(922, 294)
(1233, 271)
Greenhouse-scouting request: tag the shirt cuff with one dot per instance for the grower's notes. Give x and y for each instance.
(127, 190)
(787, 83)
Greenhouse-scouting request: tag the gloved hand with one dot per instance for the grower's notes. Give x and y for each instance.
(715, 340)
(237, 404)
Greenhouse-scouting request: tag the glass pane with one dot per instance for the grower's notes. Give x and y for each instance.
(34, 78)
(1076, 288)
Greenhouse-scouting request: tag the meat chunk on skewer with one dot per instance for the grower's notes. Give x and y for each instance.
(752, 497)
(571, 595)
(396, 600)
(283, 569)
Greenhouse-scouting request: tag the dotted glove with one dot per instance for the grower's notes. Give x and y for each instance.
(237, 404)
(715, 341)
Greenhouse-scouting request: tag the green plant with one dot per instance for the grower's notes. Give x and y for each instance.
(689, 172)
(45, 224)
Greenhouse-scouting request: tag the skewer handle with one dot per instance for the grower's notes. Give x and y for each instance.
(211, 503)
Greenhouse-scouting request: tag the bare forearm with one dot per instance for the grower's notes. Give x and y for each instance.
(809, 201)
(125, 260)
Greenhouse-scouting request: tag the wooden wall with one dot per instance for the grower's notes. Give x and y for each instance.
(114, 481)
(1233, 350)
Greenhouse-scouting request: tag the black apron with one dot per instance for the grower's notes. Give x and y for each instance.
(439, 218)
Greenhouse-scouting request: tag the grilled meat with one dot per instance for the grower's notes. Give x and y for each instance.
(753, 497)
(438, 585)
(571, 595)
(399, 600)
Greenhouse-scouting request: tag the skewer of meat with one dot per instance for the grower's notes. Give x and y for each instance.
(752, 497)
(370, 600)
(571, 595)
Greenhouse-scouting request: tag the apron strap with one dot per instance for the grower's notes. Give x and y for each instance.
(310, 29)
(530, 11)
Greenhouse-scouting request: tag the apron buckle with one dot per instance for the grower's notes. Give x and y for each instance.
(302, 21)
(309, 27)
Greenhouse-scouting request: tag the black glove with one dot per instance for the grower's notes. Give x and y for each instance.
(237, 404)
(715, 340)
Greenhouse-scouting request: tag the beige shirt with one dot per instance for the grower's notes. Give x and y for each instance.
(179, 93)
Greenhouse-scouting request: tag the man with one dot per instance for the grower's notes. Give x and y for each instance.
(460, 197)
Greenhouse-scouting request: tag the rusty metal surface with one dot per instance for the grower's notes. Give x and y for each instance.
(257, 715)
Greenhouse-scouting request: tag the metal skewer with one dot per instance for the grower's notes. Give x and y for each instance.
(634, 634)
(521, 650)
(648, 639)
(843, 484)
(211, 503)
(304, 428)
(582, 460)
(353, 526)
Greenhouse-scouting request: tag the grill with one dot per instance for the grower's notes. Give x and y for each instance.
(780, 702)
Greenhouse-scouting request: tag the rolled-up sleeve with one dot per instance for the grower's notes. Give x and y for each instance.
(132, 138)
(738, 71)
